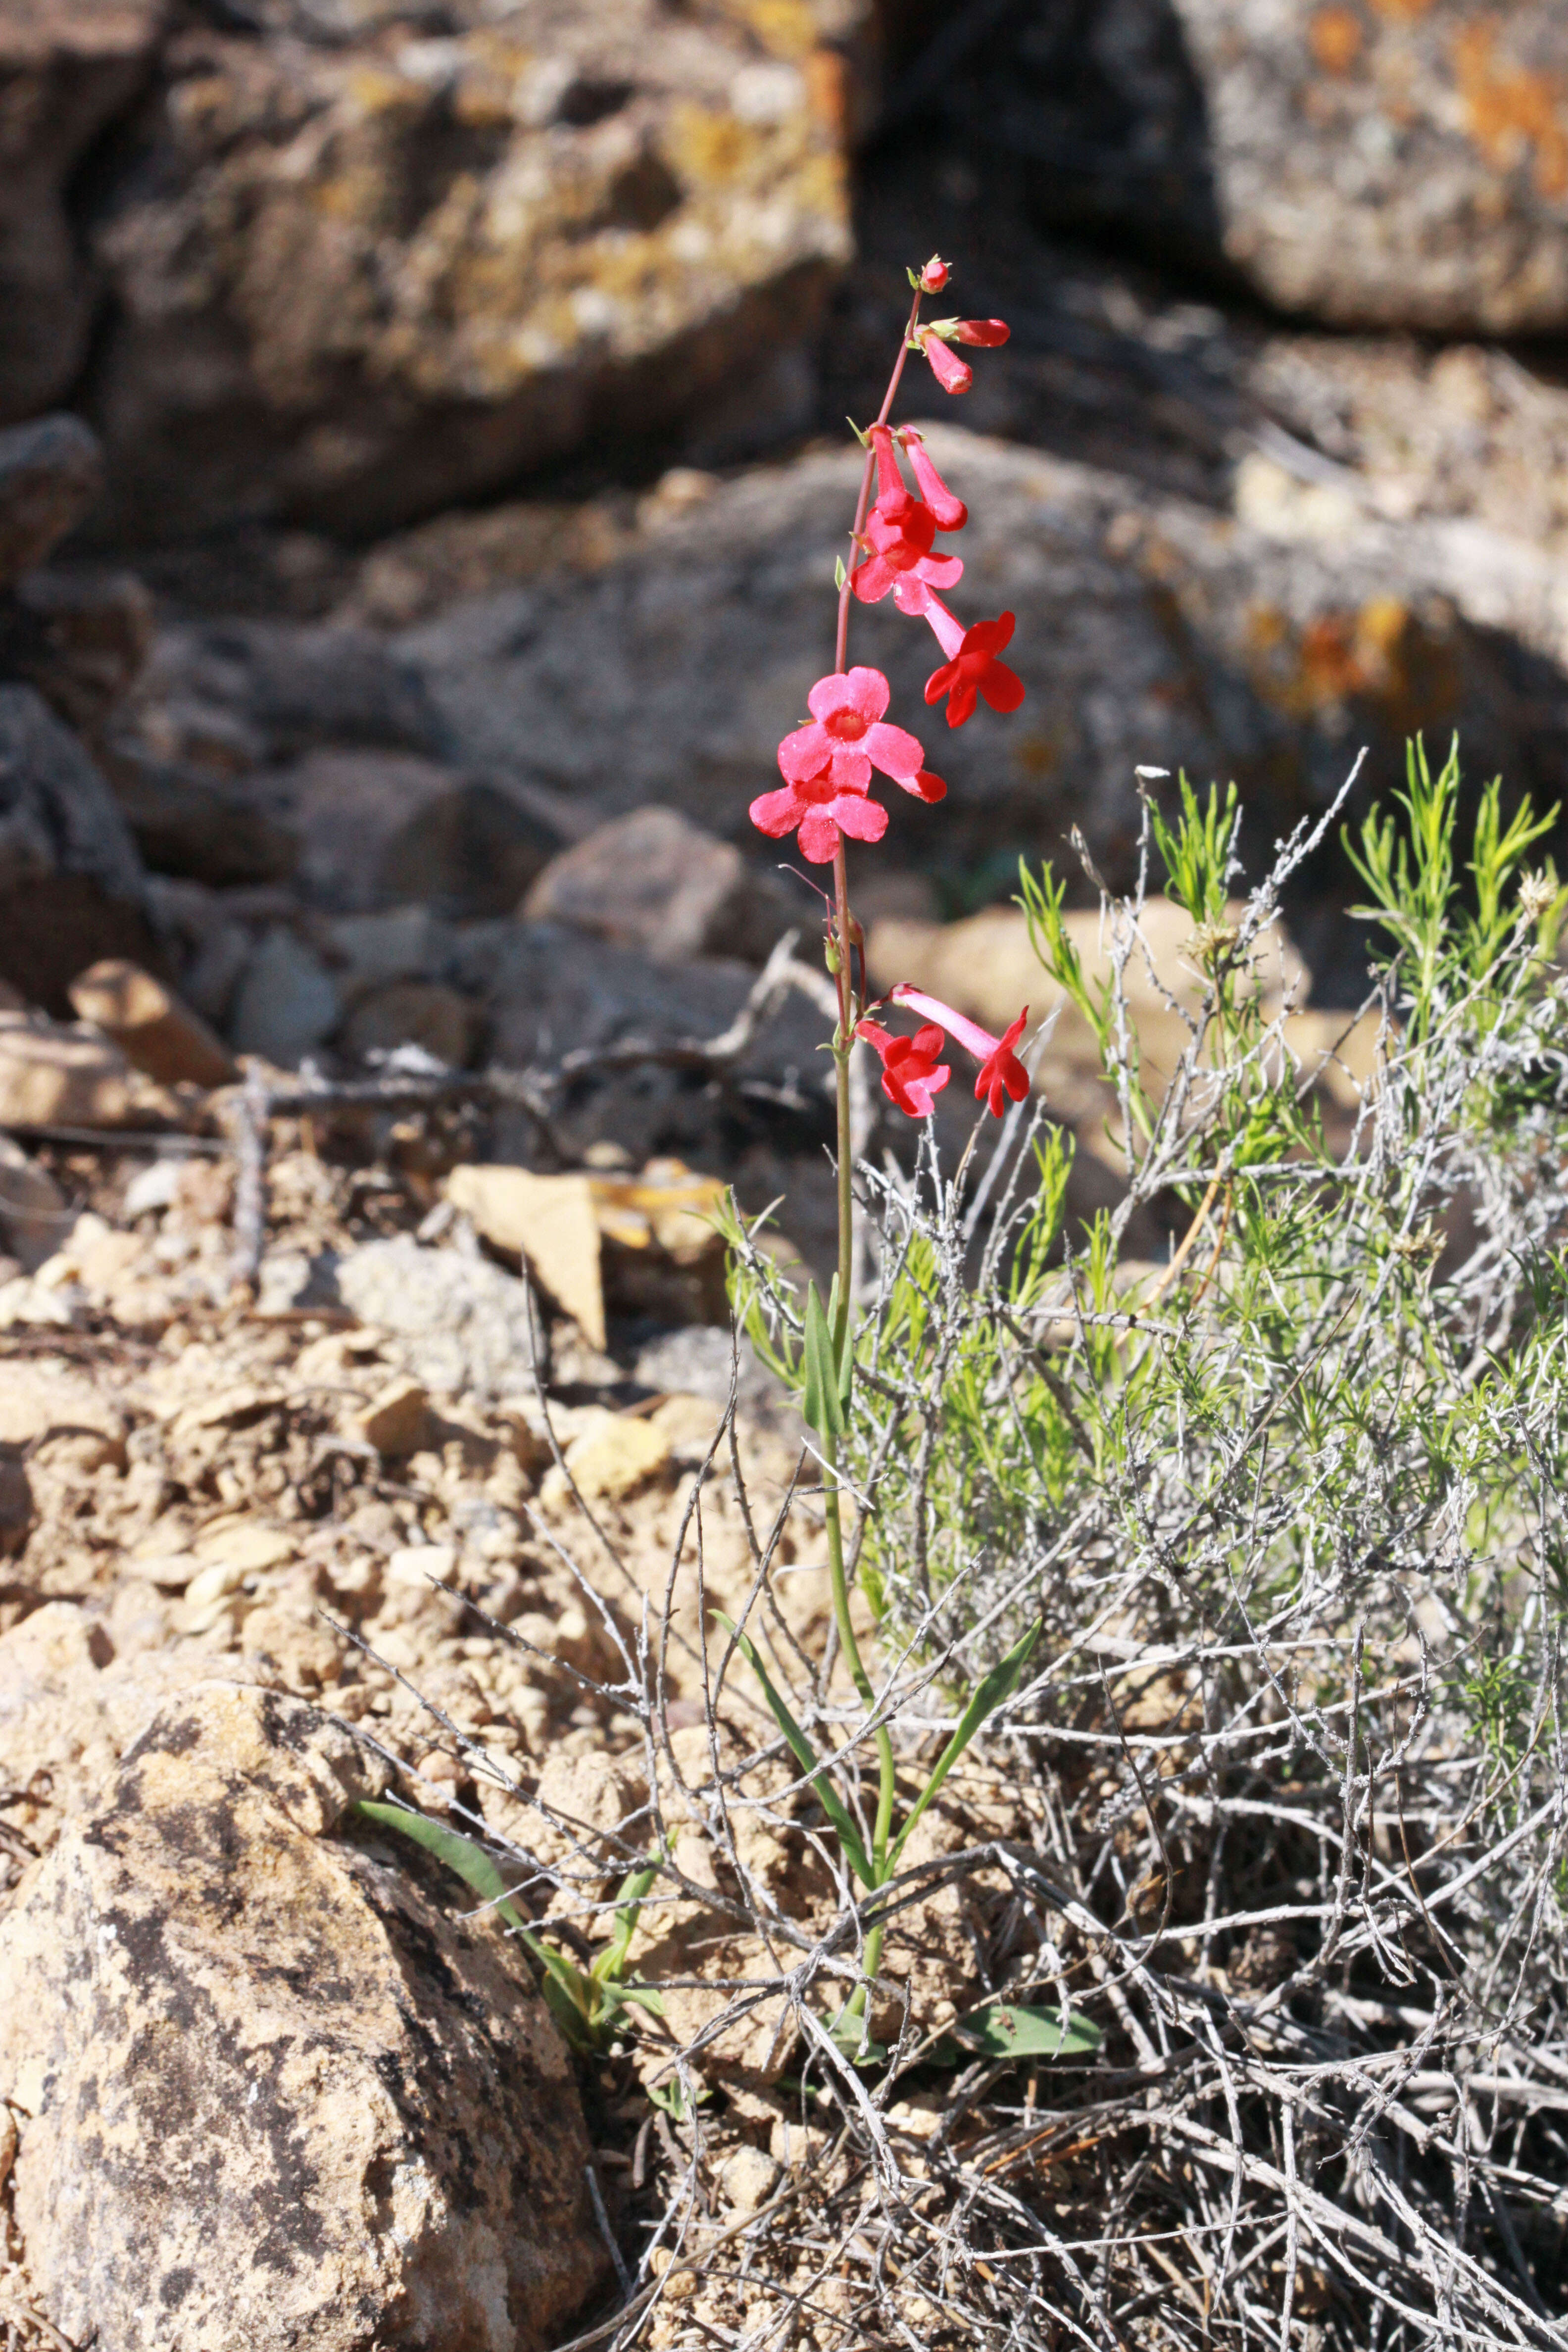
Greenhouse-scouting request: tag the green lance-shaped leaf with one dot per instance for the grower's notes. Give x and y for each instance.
(805, 1755)
(607, 1967)
(822, 1406)
(478, 1870)
(987, 1695)
(1007, 2029)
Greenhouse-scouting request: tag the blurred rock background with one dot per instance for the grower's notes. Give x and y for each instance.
(422, 463)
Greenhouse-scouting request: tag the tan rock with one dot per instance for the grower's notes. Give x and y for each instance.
(656, 881)
(413, 1567)
(68, 1709)
(55, 1076)
(395, 1421)
(56, 1413)
(547, 1221)
(615, 1460)
(246, 1546)
(213, 1978)
(153, 1029)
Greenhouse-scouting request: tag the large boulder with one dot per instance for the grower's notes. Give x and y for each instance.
(67, 68)
(1150, 632)
(271, 2091)
(1404, 163)
(360, 271)
(71, 884)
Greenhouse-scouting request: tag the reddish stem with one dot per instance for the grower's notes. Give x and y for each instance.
(861, 503)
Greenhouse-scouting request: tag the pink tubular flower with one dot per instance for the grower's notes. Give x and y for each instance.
(934, 276)
(950, 513)
(847, 739)
(952, 373)
(911, 1074)
(1001, 1075)
(972, 667)
(824, 811)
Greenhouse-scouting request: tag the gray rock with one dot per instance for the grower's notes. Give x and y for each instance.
(655, 881)
(50, 473)
(81, 639)
(567, 219)
(272, 2092)
(293, 1282)
(279, 688)
(71, 884)
(701, 1362)
(1402, 165)
(401, 944)
(186, 824)
(286, 1003)
(460, 1323)
(471, 850)
(67, 68)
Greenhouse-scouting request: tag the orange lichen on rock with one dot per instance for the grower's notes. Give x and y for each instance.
(1335, 39)
(1508, 109)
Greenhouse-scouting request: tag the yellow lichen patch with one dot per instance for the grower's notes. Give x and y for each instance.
(1335, 39)
(1510, 111)
(787, 29)
(707, 146)
(1379, 654)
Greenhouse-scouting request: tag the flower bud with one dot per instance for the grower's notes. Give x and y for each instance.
(987, 333)
(934, 276)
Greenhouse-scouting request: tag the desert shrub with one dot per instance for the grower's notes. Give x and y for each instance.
(1287, 1507)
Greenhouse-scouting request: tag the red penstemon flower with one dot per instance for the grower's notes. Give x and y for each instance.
(1001, 1075)
(898, 532)
(911, 1074)
(972, 667)
(848, 732)
(952, 373)
(950, 513)
(823, 810)
(827, 768)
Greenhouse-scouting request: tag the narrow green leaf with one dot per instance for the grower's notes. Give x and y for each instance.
(478, 1870)
(1007, 2029)
(987, 1695)
(629, 1908)
(671, 2098)
(839, 574)
(805, 1755)
(822, 1406)
(641, 1996)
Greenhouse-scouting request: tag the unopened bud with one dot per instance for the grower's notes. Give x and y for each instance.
(934, 276)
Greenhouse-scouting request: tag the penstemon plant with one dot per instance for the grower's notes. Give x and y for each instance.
(825, 801)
